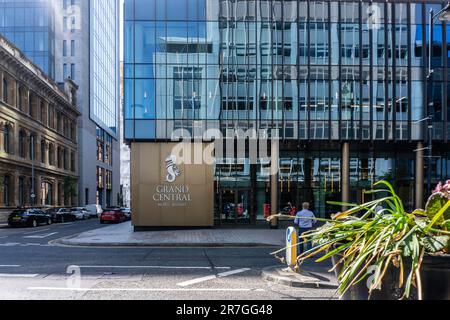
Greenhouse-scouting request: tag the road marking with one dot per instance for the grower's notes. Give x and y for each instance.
(41, 236)
(9, 244)
(142, 289)
(40, 230)
(34, 245)
(17, 275)
(9, 265)
(154, 267)
(4, 237)
(207, 278)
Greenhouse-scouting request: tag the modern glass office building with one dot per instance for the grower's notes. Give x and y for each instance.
(29, 24)
(344, 83)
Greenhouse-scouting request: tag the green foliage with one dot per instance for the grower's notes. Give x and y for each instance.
(435, 203)
(382, 238)
(70, 186)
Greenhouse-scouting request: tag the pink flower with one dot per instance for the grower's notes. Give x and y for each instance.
(439, 188)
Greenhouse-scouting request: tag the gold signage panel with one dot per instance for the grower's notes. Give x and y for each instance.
(165, 193)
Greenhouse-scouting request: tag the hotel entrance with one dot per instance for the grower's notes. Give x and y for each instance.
(235, 206)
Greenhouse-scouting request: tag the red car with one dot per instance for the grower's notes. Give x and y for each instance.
(112, 215)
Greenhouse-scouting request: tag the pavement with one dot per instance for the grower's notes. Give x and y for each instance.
(306, 277)
(123, 235)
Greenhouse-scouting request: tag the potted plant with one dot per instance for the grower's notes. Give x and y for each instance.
(381, 251)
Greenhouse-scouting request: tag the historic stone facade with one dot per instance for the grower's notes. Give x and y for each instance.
(38, 135)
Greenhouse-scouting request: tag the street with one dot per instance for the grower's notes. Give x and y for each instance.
(32, 267)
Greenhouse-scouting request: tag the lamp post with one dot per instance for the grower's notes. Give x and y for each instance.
(442, 15)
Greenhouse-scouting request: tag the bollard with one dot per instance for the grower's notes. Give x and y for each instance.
(291, 247)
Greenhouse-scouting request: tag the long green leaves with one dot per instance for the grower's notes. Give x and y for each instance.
(378, 240)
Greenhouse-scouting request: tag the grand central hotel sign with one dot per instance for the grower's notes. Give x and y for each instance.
(167, 192)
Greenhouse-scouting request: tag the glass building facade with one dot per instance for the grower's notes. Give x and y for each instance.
(104, 52)
(29, 24)
(322, 73)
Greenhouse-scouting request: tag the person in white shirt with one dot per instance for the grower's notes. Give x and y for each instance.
(305, 221)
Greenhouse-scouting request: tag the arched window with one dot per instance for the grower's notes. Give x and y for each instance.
(5, 90)
(7, 139)
(6, 190)
(22, 141)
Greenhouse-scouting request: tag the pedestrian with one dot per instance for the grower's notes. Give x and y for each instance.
(304, 221)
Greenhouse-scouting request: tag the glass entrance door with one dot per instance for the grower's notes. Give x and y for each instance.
(235, 206)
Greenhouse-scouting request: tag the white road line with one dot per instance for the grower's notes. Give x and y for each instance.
(40, 230)
(41, 236)
(3, 237)
(207, 278)
(17, 275)
(9, 244)
(153, 267)
(142, 289)
(9, 265)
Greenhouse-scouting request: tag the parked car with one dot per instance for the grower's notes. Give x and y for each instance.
(28, 218)
(80, 213)
(95, 209)
(61, 215)
(114, 214)
(127, 213)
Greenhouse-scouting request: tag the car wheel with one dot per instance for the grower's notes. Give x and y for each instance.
(34, 223)
(102, 222)
(49, 221)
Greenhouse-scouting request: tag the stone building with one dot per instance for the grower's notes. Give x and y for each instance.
(38, 135)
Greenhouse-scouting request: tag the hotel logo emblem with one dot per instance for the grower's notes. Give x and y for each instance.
(173, 171)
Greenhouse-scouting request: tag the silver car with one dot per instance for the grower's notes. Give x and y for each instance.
(80, 213)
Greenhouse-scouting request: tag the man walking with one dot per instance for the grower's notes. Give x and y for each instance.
(304, 221)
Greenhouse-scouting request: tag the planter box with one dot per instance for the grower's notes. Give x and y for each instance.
(435, 274)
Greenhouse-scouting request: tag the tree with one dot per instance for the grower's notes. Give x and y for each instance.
(70, 188)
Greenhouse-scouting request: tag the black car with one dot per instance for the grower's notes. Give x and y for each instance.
(28, 218)
(61, 215)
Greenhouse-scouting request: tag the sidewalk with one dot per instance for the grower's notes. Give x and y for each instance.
(123, 235)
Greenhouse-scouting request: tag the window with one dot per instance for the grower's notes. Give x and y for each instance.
(7, 139)
(32, 146)
(43, 115)
(86, 196)
(21, 98)
(58, 157)
(47, 193)
(65, 48)
(21, 191)
(51, 154)
(72, 71)
(65, 71)
(22, 138)
(31, 105)
(65, 24)
(72, 48)
(5, 90)
(42, 151)
(72, 161)
(6, 188)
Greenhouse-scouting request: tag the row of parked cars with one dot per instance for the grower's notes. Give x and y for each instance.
(33, 217)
